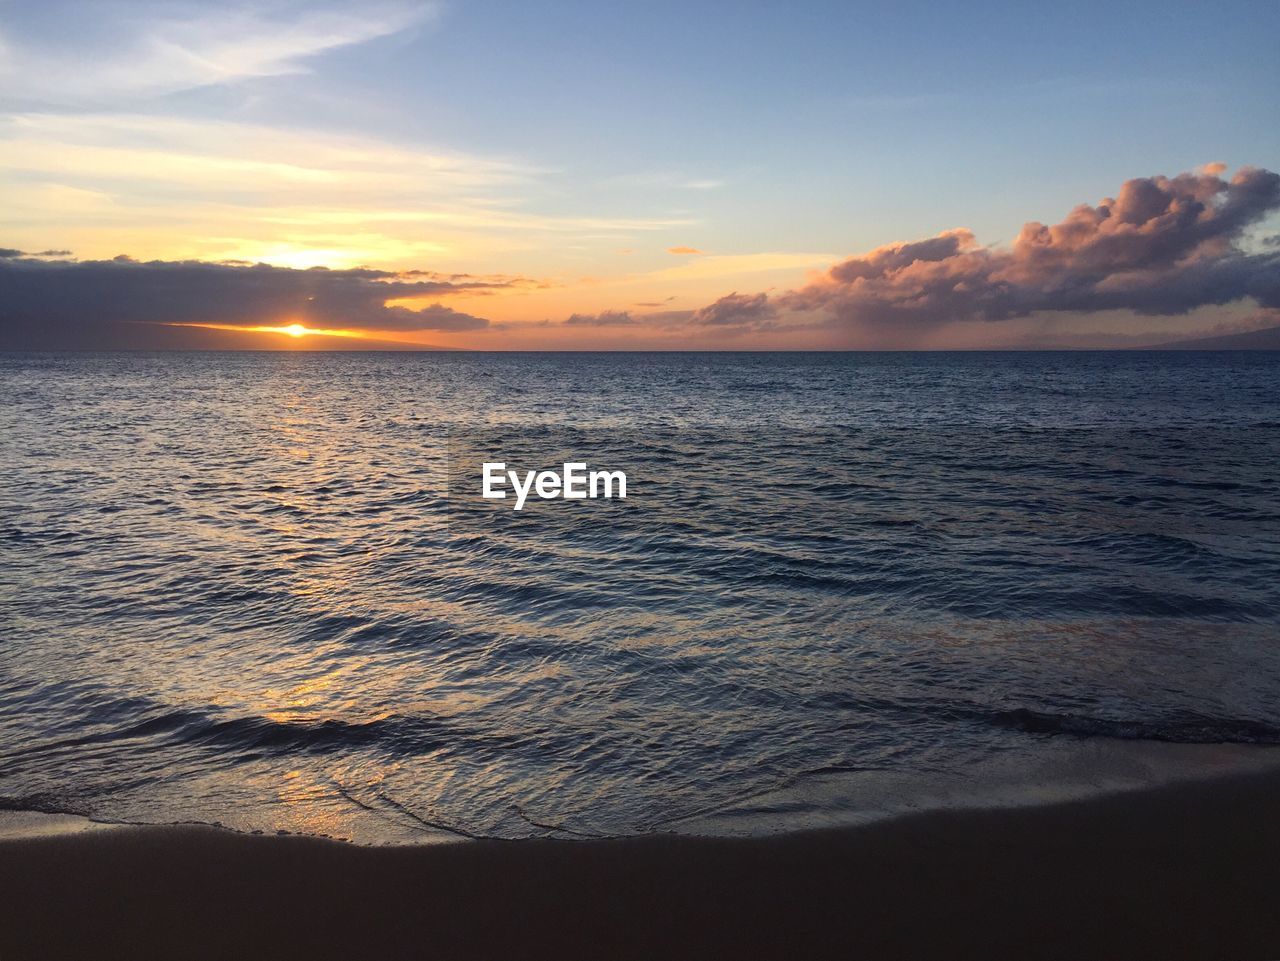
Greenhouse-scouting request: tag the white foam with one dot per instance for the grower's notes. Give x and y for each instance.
(25, 825)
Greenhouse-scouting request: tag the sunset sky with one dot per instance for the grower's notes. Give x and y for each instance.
(661, 175)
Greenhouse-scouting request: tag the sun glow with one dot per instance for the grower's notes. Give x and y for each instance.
(294, 330)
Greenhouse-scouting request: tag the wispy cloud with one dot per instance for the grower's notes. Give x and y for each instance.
(187, 187)
(662, 180)
(137, 53)
(208, 156)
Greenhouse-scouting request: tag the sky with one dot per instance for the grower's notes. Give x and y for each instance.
(514, 175)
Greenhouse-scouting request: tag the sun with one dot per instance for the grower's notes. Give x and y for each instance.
(295, 330)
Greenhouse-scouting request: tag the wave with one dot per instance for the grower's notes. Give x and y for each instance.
(1177, 730)
(253, 734)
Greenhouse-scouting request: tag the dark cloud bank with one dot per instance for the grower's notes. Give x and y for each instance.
(124, 303)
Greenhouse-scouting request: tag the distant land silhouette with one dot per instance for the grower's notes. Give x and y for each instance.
(1268, 338)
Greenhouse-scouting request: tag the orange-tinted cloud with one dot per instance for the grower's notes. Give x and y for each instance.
(1162, 246)
(684, 251)
(737, 309)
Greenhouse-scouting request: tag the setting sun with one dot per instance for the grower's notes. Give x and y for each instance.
(295, 330)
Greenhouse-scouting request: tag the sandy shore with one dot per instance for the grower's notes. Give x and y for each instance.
(1190, 871)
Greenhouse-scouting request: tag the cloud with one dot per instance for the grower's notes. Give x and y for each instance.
(1161, 246)
(662, 180)
(606, 318)
(298, 198)
(135, 52)
(9, 253)
(66, 303)
(684, 251)
(737, 310)
(195, 156)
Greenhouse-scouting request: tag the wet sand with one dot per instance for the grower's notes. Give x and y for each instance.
(1190, 871)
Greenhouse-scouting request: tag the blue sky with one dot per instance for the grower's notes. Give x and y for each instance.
(774, 139)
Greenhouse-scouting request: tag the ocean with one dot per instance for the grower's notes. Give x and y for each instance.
(260, 589)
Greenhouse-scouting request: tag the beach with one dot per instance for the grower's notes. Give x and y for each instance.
(1184, 871)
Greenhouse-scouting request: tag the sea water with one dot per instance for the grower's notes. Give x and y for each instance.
(263, 589)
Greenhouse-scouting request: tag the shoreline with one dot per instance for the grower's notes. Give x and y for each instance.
(1185, 870)
(1059, 772)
